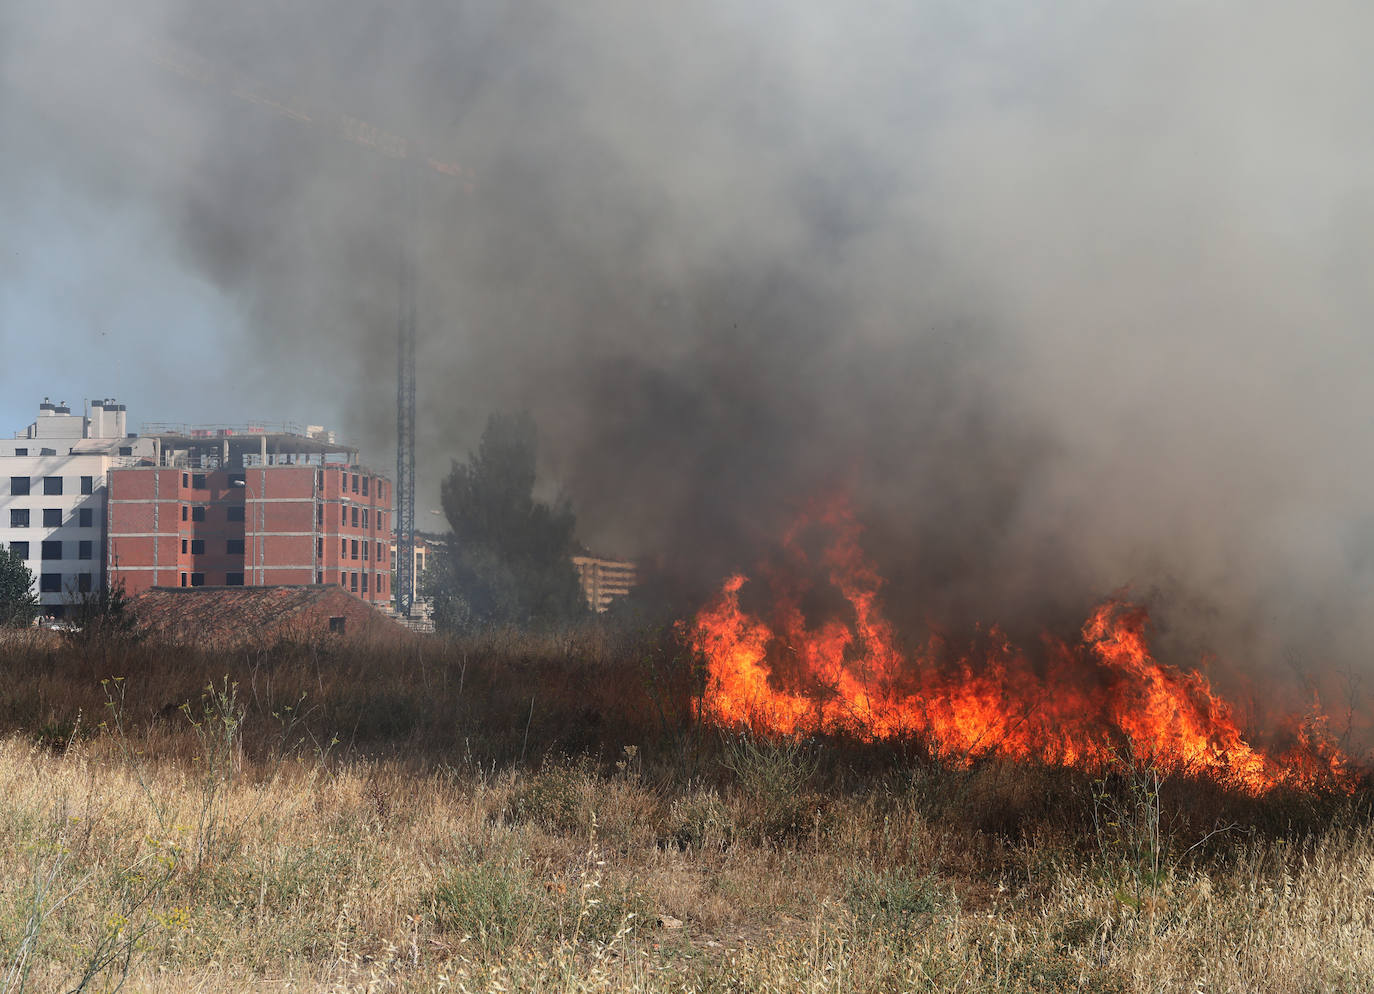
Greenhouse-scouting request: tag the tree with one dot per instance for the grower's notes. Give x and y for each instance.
(18, 602)
(509, 556)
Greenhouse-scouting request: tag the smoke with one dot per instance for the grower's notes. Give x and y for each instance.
(1067, 299)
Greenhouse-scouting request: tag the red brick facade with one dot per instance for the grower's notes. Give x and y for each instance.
(260, 526)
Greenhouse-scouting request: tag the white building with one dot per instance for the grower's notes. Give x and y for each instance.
(52, 495)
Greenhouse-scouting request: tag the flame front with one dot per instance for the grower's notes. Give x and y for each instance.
(1093, 703)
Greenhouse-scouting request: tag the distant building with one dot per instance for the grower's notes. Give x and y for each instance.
(603, 580)
(259, 616)
(53, 495)
(245, 507)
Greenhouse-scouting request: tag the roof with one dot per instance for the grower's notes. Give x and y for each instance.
(259, 615)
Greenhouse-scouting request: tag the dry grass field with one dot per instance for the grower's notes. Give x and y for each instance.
(547, 815)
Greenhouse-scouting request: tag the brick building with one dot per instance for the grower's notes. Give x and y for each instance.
(232, 509)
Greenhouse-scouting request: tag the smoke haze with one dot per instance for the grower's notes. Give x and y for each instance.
(1067, 301)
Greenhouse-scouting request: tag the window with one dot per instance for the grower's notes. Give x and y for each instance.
(52, 550)
(20, 549)
(233, 579)
(183, 579)
(343, 578)
(198, 513)
(126, 450)
(344, 511)
(364, 489)
(381, 555)
(52, 517)
(183, 512)
(21, 452)
(364, 583)
(52, 486)
(50, 583)
(19, 486)
(88, 484)
(355, 550)
(353, 582)
(319, 548)
(47, 452)
(85, 517)
(234, 512)
(185, 479)
(355, 516)
(83, 550)
(364, 517)
(366, 548)
(197, 579)
(234, 546)
(183, 546)
(83, 583)
(197, 546)
(354, 488)
(343, 548)
(198, 481)
(319, 515)
(337, 625)
(19, 517)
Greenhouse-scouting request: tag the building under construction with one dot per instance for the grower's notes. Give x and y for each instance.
(250, 506)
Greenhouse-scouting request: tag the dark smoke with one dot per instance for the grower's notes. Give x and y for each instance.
(1067, 301)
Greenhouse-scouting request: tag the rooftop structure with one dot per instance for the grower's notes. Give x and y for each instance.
(603, 580)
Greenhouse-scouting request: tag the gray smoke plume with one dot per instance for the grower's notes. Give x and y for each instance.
(1067, 298)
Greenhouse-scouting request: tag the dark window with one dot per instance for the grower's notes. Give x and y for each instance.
(234, 512)
(353, 582)
(183, 579)
(198, 481)
(364, 583)
(337, 624)
(355, 483)
(21, 452)
(343, 578)
(355, 516)
(344, 512)
(85, 517)
(47, 452)
(183, 546)
(198, 513)
(126, 450)
(88, 484)
(183, 512)
(185, 479)
(366, 548)
(319, 548)
(83, 583)
(233, 579)
(52, 550)
(319, 515)
(83, 550)
(381, 553)
(19, 486)
(52, 486)
(234, 546)
(343, 548)
(364, 517)
(50, 583)
(19, 517)
(364, 486)
(20, 549)
(197, 579)
(52, 517)
(355, 550)
(197, 546)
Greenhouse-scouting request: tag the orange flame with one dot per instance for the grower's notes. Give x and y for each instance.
(1090, 705)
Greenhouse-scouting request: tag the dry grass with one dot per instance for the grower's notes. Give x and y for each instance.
(470, 842)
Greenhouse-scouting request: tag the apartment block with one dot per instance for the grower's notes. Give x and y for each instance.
(53, 495)
(296, 522)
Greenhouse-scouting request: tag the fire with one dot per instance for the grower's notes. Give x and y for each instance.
(1092, 703)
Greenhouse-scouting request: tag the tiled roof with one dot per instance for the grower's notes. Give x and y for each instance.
(254, 615)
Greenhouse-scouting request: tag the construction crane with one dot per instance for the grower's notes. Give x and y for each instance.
(191, 66)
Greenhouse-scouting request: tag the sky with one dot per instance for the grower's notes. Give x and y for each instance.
(1066, 300)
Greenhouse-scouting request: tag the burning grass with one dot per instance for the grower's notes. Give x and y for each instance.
(539, 815)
